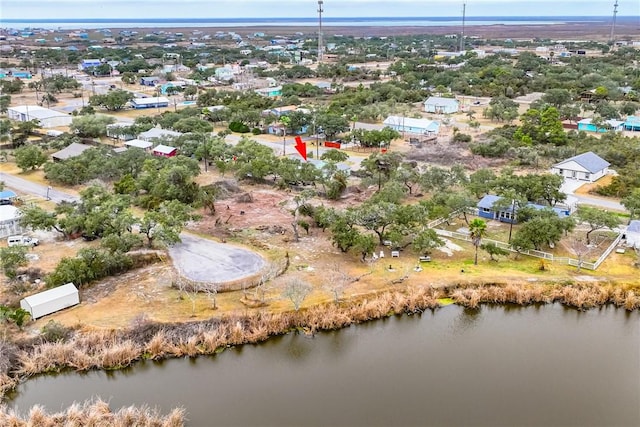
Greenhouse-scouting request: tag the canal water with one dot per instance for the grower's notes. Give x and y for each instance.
(496, 366)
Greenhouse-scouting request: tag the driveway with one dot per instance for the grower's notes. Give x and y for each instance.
(25, 186)
(204, 260)
(569, 187)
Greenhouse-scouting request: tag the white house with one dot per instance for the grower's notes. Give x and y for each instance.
(50, 301)
(46, 117)
(9, 221)
(439, 105)
(632, 234)
(410, 125)
(583, 167)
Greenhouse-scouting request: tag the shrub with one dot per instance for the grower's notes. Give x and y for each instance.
(54, 332)
(238, 127)
(256, 131)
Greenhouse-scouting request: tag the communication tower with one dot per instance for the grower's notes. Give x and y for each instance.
(613, 23)
(320, 48)
(464, 15)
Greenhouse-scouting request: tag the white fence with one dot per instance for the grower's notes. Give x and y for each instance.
(10, 228)
(532, 252)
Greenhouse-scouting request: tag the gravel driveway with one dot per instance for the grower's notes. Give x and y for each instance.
(204, 260)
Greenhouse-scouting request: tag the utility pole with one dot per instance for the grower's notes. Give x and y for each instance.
(464, 11)
(320, 48)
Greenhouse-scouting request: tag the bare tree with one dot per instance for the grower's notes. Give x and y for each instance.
(269, 273)
(188, 290)
(582, 248)
(212, 293)
(336, 283)
(296, 290)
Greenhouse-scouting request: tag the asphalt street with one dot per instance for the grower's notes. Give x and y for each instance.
(21, 185)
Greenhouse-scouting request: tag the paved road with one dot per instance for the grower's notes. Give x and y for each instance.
(204, 260)
(569, 187)
(22, 185)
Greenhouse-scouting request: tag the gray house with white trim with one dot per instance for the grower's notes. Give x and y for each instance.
(583, 167)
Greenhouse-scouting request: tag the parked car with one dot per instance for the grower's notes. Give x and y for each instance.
(22, 241)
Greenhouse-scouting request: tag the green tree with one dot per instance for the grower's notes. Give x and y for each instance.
(11, 258)
(632, 203)
(557, 97)
(332, 124)
(192, 124)
(477, 231)
(494, 250)
(165, 223)
(113, 101)
(5, 103)
(29, 157)
(334, 155)
(426, 240)
(597, 219)
(91, 126)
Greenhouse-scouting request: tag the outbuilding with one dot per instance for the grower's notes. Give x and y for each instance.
(583, 167)
(154, 133)
(139, 143)
(149, 81)
(50, 301)
(46, 118)
(152, 102)
(165, 151)
(439, 105)
(72, 150)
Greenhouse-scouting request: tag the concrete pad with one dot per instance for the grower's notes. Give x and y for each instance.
(204, 260)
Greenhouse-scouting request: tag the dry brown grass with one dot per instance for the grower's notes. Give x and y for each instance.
(92, 413)
(145, 339)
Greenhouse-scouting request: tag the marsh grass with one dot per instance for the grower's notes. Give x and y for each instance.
(92, 413)
(145, 339)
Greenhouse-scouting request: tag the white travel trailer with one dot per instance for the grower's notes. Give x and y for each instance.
(50, 301)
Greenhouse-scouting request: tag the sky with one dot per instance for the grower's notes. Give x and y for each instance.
(77, 9)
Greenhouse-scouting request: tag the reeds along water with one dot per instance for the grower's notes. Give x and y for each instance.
(116, 349)
(92, 413)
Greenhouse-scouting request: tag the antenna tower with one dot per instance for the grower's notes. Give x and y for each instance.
(613, 23)
(464, 13)
(320, 48)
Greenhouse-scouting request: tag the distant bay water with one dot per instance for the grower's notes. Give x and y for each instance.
(293, 22)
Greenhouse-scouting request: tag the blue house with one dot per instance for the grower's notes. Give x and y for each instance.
(632, 123)
(587, 126)
(508, 214)
(439, 105)
(88, 63)
(149, 81)
(20, 74)
(410, 125)
(270, 92)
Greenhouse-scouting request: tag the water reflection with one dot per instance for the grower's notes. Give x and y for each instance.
(534, 366)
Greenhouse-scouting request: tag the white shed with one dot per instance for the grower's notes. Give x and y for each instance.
(50, 301)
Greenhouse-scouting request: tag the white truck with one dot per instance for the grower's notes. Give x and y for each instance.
(22, 241)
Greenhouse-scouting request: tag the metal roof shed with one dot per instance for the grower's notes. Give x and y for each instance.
(50, 301)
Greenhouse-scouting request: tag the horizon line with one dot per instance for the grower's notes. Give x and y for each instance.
(307, 18)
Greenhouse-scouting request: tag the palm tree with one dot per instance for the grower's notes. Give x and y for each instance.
(477, 230)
